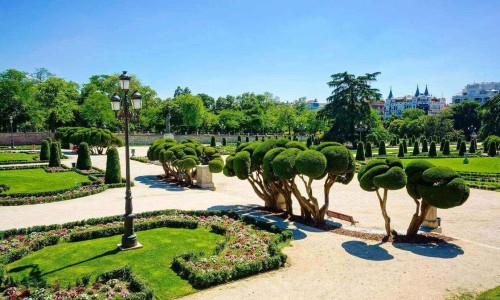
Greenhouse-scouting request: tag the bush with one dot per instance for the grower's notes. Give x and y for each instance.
(441, 146)
(368, 150)
(424, 146)
(492, 149)
(459, 142)
(310, 163)
(83, 162)
(224, 142)
(446, 148)
(45, 151)
(472, 147)
(401, 152)
(239, 138)
(416, 150)
(55, 159)
(247, 139)
(212, 141)
(284, 163)
(381, 148)
(360, 153)
(432, 151)
(462, 150)
(215, 166)
(113, 174)
(405, 147)
(308, 142)
(241, 164)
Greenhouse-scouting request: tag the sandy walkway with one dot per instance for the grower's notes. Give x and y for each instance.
(321, 265)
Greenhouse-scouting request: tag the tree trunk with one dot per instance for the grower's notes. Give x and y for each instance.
(418, 218)
(383, 207)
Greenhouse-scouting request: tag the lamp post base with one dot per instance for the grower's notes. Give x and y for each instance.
(129, 242)
(137, 246)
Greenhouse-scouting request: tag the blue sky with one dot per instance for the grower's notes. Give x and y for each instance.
(289, 48)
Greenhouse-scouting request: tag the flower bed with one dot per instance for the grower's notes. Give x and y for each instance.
(142, 159)
(249, 246)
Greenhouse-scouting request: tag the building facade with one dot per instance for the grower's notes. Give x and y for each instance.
(379, 106)
(425, 101)
(314, 104)
(480, 92)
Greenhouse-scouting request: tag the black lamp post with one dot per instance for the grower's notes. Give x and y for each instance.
(472, 131)
(129, 238)
(360, 129)
(11, 133)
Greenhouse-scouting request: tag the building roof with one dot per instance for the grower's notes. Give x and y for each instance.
(426, 93)
(417, 92)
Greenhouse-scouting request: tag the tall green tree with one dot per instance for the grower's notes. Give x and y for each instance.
(466, 114)
(349, 103)
(490, 118)
(96, 111)
(191, 109)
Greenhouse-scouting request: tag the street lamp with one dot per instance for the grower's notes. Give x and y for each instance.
(360, 129)
(129, 238)
(11, 133)
(472, 131)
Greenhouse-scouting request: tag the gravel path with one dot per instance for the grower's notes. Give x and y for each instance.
(321, 265)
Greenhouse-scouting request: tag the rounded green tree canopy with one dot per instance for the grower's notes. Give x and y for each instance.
(284, 163)
(310, 163)
(241, 164)
(386, 174)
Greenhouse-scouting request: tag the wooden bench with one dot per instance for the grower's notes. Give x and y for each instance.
(333, 214)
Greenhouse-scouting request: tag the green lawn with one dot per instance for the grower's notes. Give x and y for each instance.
(476, 164)
(17, 156)
(69, 261)
(37, 180)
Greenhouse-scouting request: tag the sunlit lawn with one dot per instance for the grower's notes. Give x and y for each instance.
(476, 164)
(69, 261)
(17, 156)
(37, 180)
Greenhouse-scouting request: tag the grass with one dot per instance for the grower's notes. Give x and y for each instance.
(37, 180)
(493, 294)
(17, 156)
(476, 164)
(66, 262)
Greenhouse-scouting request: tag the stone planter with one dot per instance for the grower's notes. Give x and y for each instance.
(431, 223)
(204, 178)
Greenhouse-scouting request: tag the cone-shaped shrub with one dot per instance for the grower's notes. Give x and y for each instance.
(83, 162)
(256, 138)
(45, 150)
(212, 142)
(472, 147)
(459, 143)
(432, 150)
(368, 150)
(463, 149)
(247, 139)
(113, 174)
(446, 148)
(381, 148)
(49, 140)
(405, 147)
(424, 146)
(55, 159)
(59, 147)
(441, 146)
(239, 138)
(224, 141)
(492, 149)
(397, 140)
(360, 153)
(308, 142)
(401, 152)
(416, 149)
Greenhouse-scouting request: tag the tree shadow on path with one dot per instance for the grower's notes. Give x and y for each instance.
(152, 181)
(365, 251)
(438, 250)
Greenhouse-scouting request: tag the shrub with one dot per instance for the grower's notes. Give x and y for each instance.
(472, 147)
(360, 153)
(381, 148)
(113, 174)
(215, 166)
(224, 142)
(424, 146)
(492, 149)
(239, 138)
(98, 139)
(401, 152)
(459, 142)
(308, 142)
(55, 159)
(441, 146)
(212, 141)
(432, 151)
(462, 150)
(435, 186)
(311, 163)
(368, 150)
(385, 174)
(247, 139)
(416, 150)
(446, 148)
(45, 151)
(405, 147)
(241, 164)
(83, 162)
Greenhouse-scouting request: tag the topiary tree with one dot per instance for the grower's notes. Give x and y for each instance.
(308, 142)
(424, 146)
(441, 146)
(256, 138)
(83, 162)
(405, 147)
(368, 150)
(98, 139)
(113, 173)
(401, 152)
(45, 150)
(492, 149)
(472, 147)
(59, 149)
(224, 142)
(360, 152)
(416, 150)
(440, 187)
(432, 151)
(247, 139)
(446, 148)
(239, 138)
(49, 140)
(381, 148)
(55, 159)
(462, 150)
(387, 175)
(459, 142)
(212, 142)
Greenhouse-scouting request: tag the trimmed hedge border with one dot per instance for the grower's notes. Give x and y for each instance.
(179, 264)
